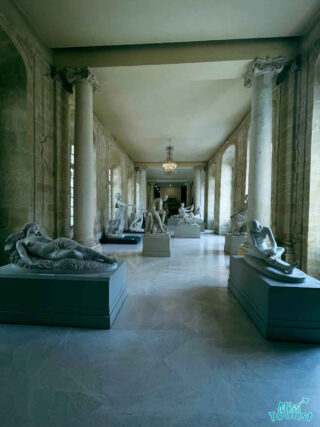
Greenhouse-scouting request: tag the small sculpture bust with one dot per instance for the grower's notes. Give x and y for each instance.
(262, 245)
(156, 216)
(34, 250)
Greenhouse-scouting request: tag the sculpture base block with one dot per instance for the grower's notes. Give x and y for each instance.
(83, 300)
(126, 240)
(281, 311)
(173, 220)
(156, 245)
(202, 226)
(186, 231)
(232, 243)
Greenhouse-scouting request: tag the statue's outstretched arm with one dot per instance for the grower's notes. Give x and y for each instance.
(23, 252)
(272, 239)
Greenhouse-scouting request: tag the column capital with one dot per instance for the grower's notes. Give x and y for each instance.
(263, 66)
(74, 75)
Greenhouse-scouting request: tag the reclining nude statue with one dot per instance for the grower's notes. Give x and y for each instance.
(156, 216)
(34, 250)
(263, 247)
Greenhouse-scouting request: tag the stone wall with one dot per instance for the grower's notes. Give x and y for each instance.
(33, 132)
(238, 138)
(296, 158)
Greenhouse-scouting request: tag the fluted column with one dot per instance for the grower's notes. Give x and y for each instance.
(143, 187)
(260, 77)
(84, 173)
(197, 187)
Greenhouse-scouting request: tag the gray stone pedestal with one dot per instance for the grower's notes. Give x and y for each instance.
(173, 220)
(281, 311)
(186, 231)
(232, 243)
(85, 300)
(156, 244)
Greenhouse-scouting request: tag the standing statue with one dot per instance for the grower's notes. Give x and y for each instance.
(136, 224)
(34, 250)
(264, 253)
(239, 220)
(156, 216)
(117, 225)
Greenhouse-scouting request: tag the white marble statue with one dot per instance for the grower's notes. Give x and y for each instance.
(263, 250)
(117, 225)
(32, 249)
(186, 215)
(136, 224)
(239, 220)
(156, 216)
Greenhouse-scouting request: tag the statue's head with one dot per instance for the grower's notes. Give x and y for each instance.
(118, 196)
(182, 205)
(27, 229)
(254, 226)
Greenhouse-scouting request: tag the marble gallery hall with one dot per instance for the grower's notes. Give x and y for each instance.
(159, 213)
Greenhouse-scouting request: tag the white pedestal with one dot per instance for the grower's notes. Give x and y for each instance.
(186, 231)
(156, 244)
(232, 243)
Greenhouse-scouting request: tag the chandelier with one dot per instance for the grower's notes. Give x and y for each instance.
(169, 166)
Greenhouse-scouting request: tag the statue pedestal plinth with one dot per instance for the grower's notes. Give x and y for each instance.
(232, 243)
(85, 300)
(281, 311)
(156, 244)
(186, 231)
(173, 220)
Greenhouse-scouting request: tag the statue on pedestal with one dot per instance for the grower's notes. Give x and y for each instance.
(156, 216)
(117, 225)
(265, 255)
(136, 224)
(186, 215)
(34, 250)
(239, 220)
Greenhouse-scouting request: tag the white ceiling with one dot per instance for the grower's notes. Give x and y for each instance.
(181, 173)
(197, 105)
(71, 23)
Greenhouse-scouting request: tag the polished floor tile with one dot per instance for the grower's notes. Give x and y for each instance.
(182, 352)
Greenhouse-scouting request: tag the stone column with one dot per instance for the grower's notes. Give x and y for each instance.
(197, 187)
(260, 77)
(188, 198)
(151, 194)
(143, 187)
(84, 173)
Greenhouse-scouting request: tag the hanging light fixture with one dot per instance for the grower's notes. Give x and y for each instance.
(169, 166)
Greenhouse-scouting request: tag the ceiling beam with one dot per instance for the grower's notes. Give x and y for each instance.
(158, 165)
(175, 53)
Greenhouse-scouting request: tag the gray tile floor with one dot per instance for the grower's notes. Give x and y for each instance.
(181, 353)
